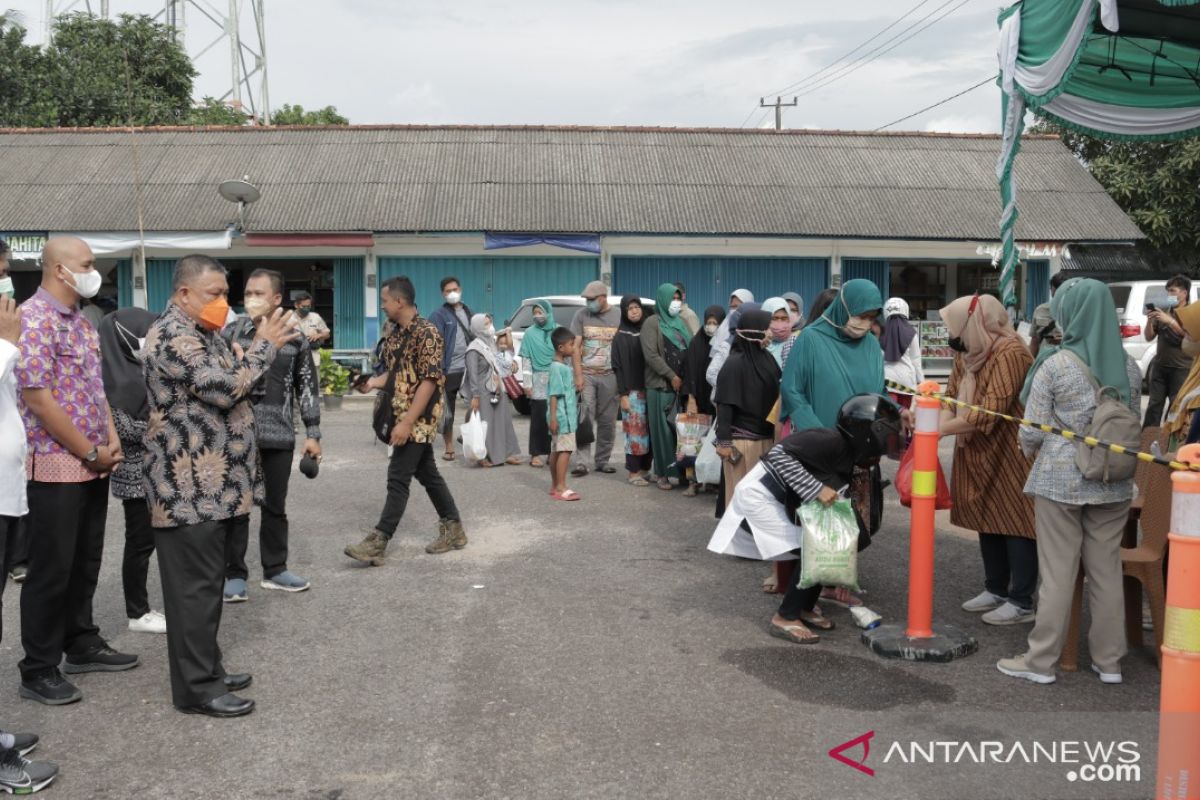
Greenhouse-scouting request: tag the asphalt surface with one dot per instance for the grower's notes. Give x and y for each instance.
(573, 650)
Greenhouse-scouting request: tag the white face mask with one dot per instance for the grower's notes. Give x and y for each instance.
(131, 340)
(6, 287)
(539, 319)
(857, 327)
(257, 307)
(453, 298)
(675, 307)
(85, 284)
(711, 329)
(489, 331)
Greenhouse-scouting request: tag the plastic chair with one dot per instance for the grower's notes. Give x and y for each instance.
(1142, 566)
(1140, 476)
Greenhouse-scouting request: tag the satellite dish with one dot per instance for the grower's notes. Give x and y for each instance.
(243, 193)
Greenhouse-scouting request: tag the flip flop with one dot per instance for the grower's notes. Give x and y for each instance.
(536, 463)
(512, 461)
(789, 633)
(816, 621)
(447, 456)
(664, 484)
(638, 481)
(568, 495)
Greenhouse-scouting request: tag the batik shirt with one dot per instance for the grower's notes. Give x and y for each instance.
(60, 351)
(201, 457)
(414, 354)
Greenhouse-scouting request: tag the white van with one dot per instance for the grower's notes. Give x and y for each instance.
(1131, 299)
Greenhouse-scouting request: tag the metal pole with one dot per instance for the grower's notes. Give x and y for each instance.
(233, 30)
(260, 21)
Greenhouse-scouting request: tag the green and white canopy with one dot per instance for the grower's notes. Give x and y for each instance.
(1116, 69)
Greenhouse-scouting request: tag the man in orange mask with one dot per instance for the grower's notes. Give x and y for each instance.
(200, 466)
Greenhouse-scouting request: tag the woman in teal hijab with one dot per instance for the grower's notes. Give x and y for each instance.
(665, 339)
(537, 353)
(834, 359)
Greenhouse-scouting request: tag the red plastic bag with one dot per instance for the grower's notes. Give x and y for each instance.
(904, 482)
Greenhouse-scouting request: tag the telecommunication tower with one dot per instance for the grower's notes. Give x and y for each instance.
(211, 27)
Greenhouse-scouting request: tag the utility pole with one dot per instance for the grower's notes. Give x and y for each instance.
(779, 106)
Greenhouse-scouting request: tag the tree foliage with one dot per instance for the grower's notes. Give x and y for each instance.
(296, 115)
(1155, 183)
(105, 73)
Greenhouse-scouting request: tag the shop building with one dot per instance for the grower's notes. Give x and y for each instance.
(344, 209)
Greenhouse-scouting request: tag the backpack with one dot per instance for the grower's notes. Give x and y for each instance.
(1113, 422)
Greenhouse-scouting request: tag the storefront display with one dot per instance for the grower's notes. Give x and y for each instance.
(937, 357)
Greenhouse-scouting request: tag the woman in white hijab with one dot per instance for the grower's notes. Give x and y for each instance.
(483, 386)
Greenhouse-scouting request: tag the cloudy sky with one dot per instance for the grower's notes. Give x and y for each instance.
(615, 62)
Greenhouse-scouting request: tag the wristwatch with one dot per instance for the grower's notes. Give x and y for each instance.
(92, 456)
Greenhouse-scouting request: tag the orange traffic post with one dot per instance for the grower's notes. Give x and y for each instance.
(921, 640)
(924, 502)
(1179, 704)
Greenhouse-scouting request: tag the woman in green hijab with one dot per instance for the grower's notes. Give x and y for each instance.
(537, 354)
(665, 339)
(1078, 520)
(834, 359)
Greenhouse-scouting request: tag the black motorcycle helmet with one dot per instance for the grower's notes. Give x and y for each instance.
(871, 424)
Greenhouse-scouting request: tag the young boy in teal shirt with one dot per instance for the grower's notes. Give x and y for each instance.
(562, 413)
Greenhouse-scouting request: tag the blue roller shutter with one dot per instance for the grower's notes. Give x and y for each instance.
(348, 301)
(491, 284)
(710, 280)
(1037, 285)
(160, 273)
(878, 271)
(124, 283)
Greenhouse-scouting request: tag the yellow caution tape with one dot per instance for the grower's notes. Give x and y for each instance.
(1182, 629)
(1090, 441)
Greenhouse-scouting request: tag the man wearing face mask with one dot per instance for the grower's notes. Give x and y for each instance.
(1171, 364)
(201, 459)
(290, 380)
(312, 327)
(453, 321)
(73, 446)
(594, 327)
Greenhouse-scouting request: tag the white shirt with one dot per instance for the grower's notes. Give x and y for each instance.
(12, 437)
(908, 370)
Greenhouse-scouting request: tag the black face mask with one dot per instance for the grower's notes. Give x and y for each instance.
(956, 344)
(303, 311)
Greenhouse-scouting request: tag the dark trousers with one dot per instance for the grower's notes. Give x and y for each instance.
(539, 428)
(135, 565)
(16, 545)
(1165, 383)
(413, 459)
(1010, 567)
(454, 382)
(272, 529)
(795, 599)
(10, 528)
(64, 567)
(191, 562)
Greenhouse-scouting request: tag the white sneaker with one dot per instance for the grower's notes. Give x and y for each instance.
(1017, 668)
(984, 601)
(150, 622)
(1107, 677)
(1008, 614)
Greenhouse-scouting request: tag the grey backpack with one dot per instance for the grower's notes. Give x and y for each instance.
(1113, 422)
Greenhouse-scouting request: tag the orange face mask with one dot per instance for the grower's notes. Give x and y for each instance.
(214, 314)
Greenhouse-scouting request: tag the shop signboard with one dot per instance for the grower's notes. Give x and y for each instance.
(25, 246)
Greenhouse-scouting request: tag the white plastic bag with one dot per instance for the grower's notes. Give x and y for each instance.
(708, 463)
(474, 438)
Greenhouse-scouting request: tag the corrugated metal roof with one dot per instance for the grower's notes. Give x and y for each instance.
(606, 180)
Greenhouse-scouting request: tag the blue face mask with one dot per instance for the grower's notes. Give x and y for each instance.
(593, 306)
(1171, 302)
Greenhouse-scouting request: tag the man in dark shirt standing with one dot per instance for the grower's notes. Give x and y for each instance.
(290, 378)
(1170, 367)
(200, 470)
(412, 358)
(452, 320)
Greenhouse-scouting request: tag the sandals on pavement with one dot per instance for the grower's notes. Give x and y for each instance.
(568, 495)
(512, 461)
(448, 455)
(770, 584)
(638, 480)
(607, 469)
(814, 620)
(580, 471)
(536, 462)
(665, 484)
(795, 633)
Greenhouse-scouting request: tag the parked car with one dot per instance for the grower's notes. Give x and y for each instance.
(565, 308)
(1131, 299)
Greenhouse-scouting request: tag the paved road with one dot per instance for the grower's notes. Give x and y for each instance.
(590, 650)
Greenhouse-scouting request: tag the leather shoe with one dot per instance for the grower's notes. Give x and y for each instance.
(227, 705)
(238, 681)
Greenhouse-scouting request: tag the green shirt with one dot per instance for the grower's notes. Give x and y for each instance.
(562, 386)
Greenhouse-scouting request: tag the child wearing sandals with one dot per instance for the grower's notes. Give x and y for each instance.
(562, 413)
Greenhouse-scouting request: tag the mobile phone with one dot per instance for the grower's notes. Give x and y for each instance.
(1150, 307)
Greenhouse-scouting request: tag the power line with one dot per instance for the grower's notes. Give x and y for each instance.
(846, 55)
(878, 53)
(939, 103)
